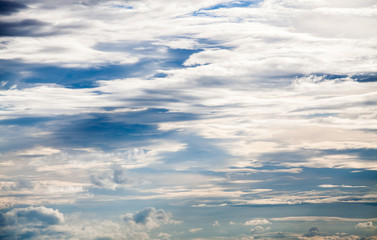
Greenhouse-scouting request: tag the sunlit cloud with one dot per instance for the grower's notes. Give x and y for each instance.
(242, 119)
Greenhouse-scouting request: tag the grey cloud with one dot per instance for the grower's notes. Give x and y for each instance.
(119, 176)
(149, 218)
(257, 229)
(314, 231)
(27, 27)
(28, 223)
(280, 235)
(35, 215)
(10, 7)
(110, 179)
(3, 220)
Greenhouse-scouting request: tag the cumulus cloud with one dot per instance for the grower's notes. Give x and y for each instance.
(366, 225)
(35, 215)
(257, 229)
(257, 221)
(149, 218)
(29, 221)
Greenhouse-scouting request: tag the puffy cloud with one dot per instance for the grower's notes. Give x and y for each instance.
(35, 216)
(366, 225)
(257, 229)
(216, 223)
(313, 231)
(30, 221)
(149, 218)
(257, 221)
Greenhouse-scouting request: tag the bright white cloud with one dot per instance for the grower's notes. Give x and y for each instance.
(257, 221)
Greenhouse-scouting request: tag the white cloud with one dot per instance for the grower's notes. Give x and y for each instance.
(194, 230)
(240, 86)
(257, 221)
(366, 225)
(37, 151)
(337, 186)
(321, 218)
(149, 218)
(165, 236)
(258, 229)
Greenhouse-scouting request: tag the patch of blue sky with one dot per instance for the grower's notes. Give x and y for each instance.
(146, 68)
(369, 154)
(231, 4)
(234, 4)
(106, 131)
(151, 61)
(122, 6)
(199, 151)
(368, 77)
(74, 77)
(25, 121)
(321, 115)
(103, 133)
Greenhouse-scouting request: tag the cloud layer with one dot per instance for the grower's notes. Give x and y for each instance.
(200, 108)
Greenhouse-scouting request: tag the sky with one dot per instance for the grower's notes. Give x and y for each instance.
(170, 119)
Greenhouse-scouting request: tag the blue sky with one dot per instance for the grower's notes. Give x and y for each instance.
(214, 119)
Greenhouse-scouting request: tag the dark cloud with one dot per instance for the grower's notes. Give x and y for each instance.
(29, 222)
(27, 27)
(3, 220)
(314, 231)
(10, 7)
(280, 235)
